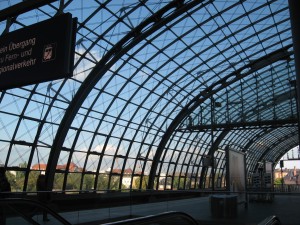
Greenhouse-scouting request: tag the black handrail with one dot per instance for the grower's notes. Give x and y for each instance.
(156, 218)
(271, 220)
(13, 202)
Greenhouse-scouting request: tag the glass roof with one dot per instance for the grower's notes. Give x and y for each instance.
(156, 87)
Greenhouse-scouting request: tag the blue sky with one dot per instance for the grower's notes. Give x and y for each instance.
(293, 153)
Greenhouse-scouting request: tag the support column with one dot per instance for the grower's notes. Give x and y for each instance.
(294, 6)
(212, 143)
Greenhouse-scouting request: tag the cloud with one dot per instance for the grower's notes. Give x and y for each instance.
(85, 66)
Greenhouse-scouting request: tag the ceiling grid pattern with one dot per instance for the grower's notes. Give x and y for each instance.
(157, 86)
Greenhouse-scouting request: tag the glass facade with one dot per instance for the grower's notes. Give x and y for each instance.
(157, 87)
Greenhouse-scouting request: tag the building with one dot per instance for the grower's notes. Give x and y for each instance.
(154, 86)
(290, 176)
(72, 167)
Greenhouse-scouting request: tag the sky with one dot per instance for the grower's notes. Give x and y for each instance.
(290, 164)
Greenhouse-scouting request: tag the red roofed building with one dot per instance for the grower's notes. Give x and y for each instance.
(39, 167)
(72, 167)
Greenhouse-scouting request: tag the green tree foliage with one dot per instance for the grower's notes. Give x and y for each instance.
(16, 178)
(178, 183)
(102, 182)
(114, 183)
(88, 182)
(138, 181)
(58, 181)
(12, 180)
(32, 179)
(73, 181)
(278, 181)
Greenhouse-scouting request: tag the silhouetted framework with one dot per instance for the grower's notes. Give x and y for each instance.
(160, 89)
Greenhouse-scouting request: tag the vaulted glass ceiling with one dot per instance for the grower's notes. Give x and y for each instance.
(157, 86)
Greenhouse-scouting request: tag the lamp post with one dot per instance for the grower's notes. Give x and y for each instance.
(212, 143)
(295, 26)
(281, 166)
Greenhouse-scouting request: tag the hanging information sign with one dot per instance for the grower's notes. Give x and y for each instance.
(38, 53)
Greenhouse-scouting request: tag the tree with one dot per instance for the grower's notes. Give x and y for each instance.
(114, 182)
(58, 181)
(12, 180)
(278, 181)
(144, 183)
(178, 182)
(88, 182)
(73, 181)
(32, 179)
(102, 182)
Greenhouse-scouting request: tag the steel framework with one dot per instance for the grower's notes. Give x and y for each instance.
(157, 87)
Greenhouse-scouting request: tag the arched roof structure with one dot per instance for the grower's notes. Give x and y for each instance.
(157, 87)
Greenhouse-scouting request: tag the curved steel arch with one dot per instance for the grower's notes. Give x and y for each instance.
(16, 129)
(201, 97)
(276, 160)
(234, 42)
(105, 63)
(39, 130)
(283, 138)
(211, 152)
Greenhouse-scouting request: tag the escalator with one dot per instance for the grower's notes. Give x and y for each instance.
(271, 220)
(26, 211)
(167, 218)
(23, 211)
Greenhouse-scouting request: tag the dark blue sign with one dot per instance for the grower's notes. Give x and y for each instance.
(38, 53)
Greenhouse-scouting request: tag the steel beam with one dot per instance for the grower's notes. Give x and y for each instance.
(241, 125)
(22, 7)
(294, 6)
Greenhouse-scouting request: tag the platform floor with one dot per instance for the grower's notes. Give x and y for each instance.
(286, 207)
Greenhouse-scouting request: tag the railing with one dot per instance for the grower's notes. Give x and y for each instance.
(287, 188)
(82, 207)
(77, 206)
(19, 210)
(26, 211)
(162, 218)
(271, 220)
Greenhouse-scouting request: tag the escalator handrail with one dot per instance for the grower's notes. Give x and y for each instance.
(13, 201)
(155, 218)
(270, 220)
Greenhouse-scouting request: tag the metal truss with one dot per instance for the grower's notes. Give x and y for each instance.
(158, 87)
